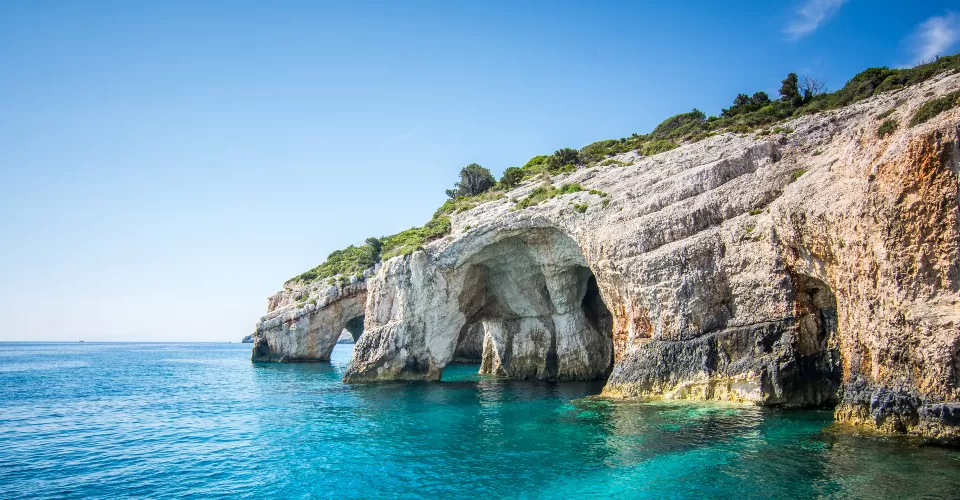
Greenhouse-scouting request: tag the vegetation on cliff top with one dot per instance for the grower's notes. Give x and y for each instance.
(747, 114)
(934, 107)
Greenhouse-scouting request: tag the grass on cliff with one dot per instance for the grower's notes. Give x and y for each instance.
(406, 242)
(545, 192)
(757, 112)
(749, 114)
(346, 262)
(934, 107)
(886, 128)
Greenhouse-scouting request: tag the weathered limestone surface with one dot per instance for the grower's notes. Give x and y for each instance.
(818, 267)
(470, 344)
(305, 322)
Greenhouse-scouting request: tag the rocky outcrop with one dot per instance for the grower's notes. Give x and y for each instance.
(247, 340)
(813, 268)
(305, 321)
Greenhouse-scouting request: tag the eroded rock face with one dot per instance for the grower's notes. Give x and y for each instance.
(470, 344)
(308, 329)
(813, 268)
(525, 287)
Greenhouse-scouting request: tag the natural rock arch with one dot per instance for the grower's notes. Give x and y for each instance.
(310, 333)
(537, 318)
(355, 327)
(538, 302)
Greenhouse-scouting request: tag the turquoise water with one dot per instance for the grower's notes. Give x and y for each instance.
(201, 421)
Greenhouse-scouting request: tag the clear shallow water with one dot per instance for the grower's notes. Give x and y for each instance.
(199, 420)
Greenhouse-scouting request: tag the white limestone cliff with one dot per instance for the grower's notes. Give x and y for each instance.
(816, 267)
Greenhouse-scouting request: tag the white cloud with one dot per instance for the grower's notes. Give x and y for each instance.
(812, 15)
(935, 36)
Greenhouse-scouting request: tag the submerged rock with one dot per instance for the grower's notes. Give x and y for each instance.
(811, 268)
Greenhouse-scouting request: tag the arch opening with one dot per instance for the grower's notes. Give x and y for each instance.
(355, 327)
(533, 310)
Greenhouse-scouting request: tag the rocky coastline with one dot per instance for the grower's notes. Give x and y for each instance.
(818, 266)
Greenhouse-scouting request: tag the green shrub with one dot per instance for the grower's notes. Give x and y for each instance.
(580, 207)
(679, 125)
(566, 155)
(544, 193)
(597, 151)
(797, 173)
(887, 128)
(900, 78)
(934, 107)
(474, 180)
(406, 242)
(886, 113)
(612, 161)
(756, 211)
(563, 161)
(657, 147)
(463, 203)
(346, 262)
(790, 91)
(605, 202)
(744, 104)
(511, 177)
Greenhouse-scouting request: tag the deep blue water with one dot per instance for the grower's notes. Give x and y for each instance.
(199, 420)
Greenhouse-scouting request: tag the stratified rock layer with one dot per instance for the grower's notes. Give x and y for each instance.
(818, 267)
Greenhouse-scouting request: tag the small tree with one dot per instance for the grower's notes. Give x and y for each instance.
(474, 180)
(790, 92)
(741, 100)
(374, 243)
(812, 87)
(511, 177)
(745, 104)
(567, 155)
(562, 158)
(760, 99)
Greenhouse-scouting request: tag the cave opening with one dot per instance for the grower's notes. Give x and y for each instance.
(533, 312)
(355, 327)
(814, 376)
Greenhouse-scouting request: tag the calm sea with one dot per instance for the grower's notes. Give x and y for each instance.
(201, 421)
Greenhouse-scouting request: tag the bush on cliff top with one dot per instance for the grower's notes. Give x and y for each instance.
(749, 113)
(346, 262)
(934, 107)
(545, 192)
(474, 180)
(405, 242)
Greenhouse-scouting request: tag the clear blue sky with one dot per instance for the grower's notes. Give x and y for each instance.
(165, 166)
